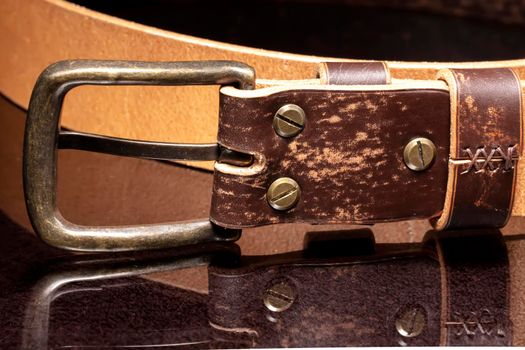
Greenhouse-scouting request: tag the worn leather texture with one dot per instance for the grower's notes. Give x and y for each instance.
(28, 57)
(486, 140)
(90, 109)
(348, 160)
(354, 73)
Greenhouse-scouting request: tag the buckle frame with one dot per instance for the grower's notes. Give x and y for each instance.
(43, 137)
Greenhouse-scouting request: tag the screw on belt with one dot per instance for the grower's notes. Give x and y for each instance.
(279, 297)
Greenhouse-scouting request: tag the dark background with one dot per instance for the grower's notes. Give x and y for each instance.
(332, 28)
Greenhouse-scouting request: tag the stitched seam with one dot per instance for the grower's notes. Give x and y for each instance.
(495, 159)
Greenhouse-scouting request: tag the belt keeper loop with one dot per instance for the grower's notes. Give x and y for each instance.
(485, 143)
(354, 73)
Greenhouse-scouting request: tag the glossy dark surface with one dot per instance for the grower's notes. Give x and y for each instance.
(55, 299)
(348, 291)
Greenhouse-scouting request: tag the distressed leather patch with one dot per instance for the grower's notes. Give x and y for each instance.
(348, 160)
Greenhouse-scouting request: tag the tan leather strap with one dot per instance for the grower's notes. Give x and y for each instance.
(486, 140)
(45, 31)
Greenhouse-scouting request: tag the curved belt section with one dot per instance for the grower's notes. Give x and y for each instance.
(38, 33)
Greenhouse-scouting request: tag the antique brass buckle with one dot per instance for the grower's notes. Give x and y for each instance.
(43, 137)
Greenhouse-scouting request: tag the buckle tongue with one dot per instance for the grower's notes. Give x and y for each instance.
(42, 138)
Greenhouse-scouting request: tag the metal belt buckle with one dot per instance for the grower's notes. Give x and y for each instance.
(43, 137)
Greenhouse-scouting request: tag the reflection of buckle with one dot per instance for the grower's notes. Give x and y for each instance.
(61, 277)
(42, 138)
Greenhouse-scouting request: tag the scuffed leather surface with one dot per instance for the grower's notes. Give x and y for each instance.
(97, 189)
(50, 30)
(348, 160)
(487, 112)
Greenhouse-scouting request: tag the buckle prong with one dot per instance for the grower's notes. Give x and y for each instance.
(138, 149)
(43, 137)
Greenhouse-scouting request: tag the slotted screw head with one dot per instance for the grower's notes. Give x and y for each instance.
(283, 194)
(289, 120)
(419, 154)
(411, 321)
(279, 297)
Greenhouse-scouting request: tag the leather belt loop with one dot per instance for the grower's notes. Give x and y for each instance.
(354, 73)
(485, 143)
(475, 289)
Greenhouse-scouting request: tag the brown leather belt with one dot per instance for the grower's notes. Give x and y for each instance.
(48, 32)
(375, 142)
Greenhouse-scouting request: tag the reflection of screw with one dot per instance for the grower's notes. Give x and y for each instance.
(289, 120)
(411, 321)
(419, 154)
(279, 297)
(283, 193)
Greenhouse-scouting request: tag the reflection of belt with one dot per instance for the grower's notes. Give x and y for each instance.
(365, 143)
(338, 288)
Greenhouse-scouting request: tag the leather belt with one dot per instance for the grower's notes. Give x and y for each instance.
(345, 161)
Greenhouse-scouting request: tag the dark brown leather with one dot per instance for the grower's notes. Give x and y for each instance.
(475, 289)
(348, 160)
(462, 300)
(366, 296)
(354, 73)
(486, 143)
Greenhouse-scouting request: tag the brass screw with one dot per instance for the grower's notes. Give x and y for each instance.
(289, 120)
(279, 297)
(283, 194)
(411, 321)
(419, 154)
